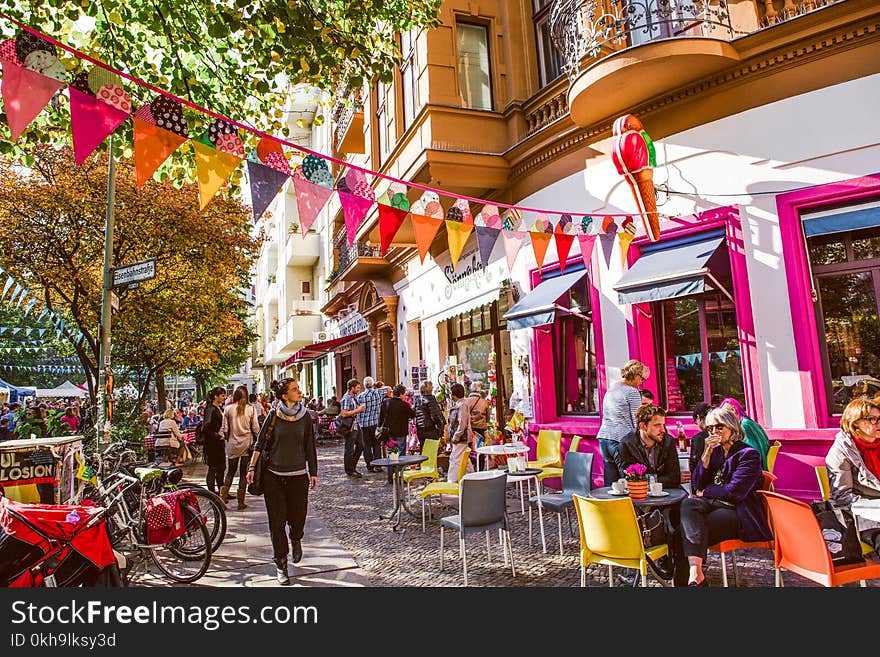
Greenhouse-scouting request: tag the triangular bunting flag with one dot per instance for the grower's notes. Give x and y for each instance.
(425, 229)
(310, 200)
(29, 307)
(91, 121)
(390, 221)
(214, 167)
(265, 183)
(19, 290)
(607, 242)
(540, 242)
(25, 94)
(152, 146)
(625, 238)
(9, 282)
(354, 208)
(587, 243)
(458, 236)
(486, 239)
(513, 241)
(563, 246)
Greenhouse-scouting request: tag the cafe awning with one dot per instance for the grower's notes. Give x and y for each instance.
(672, 269)
(539, 306)
(321, 348)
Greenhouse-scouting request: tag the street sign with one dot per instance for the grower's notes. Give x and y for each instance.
(138, 271)
(114, 302)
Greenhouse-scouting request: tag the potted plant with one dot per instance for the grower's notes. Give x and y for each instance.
(393, 449)
(293, 227)
(637, 481)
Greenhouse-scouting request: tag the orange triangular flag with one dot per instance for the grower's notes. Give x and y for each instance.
(625, 238)
(214, 167)
(425, 228)
(152, 146)
(540, 242)
(458, 236)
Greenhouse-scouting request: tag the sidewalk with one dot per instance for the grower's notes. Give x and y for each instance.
(245, 557)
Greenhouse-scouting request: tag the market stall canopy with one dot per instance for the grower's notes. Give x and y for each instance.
(321, 348)
(540, 306)
(16, 392)
(854, 217)
(66, 389)
(676, 268)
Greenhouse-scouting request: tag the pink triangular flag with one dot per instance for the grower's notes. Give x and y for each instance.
(587, 243)
(513, 241)
(354, 208)
(91, 121)
(25, 94)
(310, 200)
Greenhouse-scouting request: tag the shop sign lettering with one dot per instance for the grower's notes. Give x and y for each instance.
(19, 467)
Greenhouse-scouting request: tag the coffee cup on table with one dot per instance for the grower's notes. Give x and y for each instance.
(656, 488)
(617, 487)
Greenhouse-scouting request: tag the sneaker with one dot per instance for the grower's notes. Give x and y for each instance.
(297, 551)
(281, 573)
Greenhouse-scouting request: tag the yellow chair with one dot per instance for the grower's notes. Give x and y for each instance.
(825, 491)
(444, 487)
(427, 469)
(549, 450)
(610, 536)
(552, 471)
(771, 457)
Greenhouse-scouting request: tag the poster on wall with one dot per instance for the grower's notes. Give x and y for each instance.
(29, 475)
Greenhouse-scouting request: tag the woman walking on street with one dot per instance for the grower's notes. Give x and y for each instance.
(213, 431)
(241, 429)
(292, 468)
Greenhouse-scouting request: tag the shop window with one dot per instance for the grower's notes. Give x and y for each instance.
(574, 351)
(699, 351)
(409, 85)
(474, 74)
(846, 283)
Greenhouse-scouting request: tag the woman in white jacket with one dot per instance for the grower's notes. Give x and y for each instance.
(168, 435)
(240, 420)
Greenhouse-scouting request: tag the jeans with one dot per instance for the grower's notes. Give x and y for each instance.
(239, 463)
(705, 522)
(287, 502)
(609, 449)
(372, 448)
(354, 447)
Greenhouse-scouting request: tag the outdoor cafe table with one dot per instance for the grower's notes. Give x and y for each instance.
(506, 449)
(866, 509)
(526, 475)
(397, 467)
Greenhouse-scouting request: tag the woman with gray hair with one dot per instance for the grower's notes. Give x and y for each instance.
(619, 415)
(726, 504)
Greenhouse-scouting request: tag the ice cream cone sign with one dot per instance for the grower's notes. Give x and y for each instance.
(633, 155)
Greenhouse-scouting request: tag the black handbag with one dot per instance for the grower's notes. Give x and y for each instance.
(256, 486)
(839, 530)
(382, 433)
(653, 528)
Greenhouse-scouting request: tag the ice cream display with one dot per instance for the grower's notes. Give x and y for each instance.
(633, 155)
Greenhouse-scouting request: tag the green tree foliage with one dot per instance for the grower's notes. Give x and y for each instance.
(55, 350)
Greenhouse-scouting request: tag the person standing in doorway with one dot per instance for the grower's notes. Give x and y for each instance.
(619, 415)
(348, 427)
(213, 430)
(291, 470)
(371, 399)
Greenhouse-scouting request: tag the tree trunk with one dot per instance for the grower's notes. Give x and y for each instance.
(162, 403)
(201, 388)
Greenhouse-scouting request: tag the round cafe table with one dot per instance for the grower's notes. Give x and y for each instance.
(397, 466)
(504, 449)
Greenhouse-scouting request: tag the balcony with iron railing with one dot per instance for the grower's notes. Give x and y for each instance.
(355, 262)
(347, 119)
(618, 53)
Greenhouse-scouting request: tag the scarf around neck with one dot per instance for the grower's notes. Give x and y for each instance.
(870, 454)
(291, 413)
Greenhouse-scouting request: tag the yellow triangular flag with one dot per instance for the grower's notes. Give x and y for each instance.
(213, 167)
(458, 237)
(625, 238)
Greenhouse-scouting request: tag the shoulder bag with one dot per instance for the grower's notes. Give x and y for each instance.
(653, 528)
(256, 487)
(839, 530)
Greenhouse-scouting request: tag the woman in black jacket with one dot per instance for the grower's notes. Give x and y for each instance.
(429, 416)
(291, 470)
(215, 445)
(395, 414)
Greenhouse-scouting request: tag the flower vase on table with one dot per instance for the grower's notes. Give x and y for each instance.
(636, 481)
(393, 452)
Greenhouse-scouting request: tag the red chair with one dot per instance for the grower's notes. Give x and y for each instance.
(800, 546)
(734, 544)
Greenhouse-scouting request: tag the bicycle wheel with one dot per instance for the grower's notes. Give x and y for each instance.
(213, 513)
(186, 558)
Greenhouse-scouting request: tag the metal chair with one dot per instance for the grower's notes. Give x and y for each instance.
(482, 507)
(441, 488)
(576, 480)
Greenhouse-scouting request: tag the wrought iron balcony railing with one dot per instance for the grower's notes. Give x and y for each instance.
(595, 28)
(346, 255)
(348, 102)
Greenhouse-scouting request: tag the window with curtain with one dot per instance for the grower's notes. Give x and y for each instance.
(699, 354)
(409, 85)
(846, 279)
(474, 74)
(574, 352)
(549, 57)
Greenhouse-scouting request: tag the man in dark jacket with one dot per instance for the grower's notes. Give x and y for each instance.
(429, 416)
(395, 414)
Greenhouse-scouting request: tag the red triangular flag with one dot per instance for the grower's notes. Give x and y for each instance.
(152, 146)
(390, 221)
(25, 94)
(563, 246)
(91, 121)
(310, 200)
(425, 229)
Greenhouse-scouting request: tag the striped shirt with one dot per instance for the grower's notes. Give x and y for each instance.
(619, 412)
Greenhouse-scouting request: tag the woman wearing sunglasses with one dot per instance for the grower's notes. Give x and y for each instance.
(853, 462)
(726, 504)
